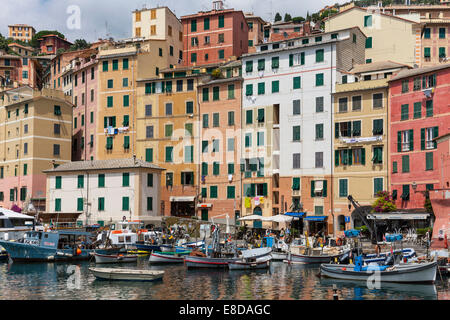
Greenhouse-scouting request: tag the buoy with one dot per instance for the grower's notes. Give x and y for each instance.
(78, 251)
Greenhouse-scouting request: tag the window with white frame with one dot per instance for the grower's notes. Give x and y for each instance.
(405, 140)
(429, 144)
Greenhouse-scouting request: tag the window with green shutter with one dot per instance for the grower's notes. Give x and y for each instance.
(343, 188)
(80, 181)
(429, 161)
(125, 179)
(126, 142)
(149, 203)
(213, 192)
(319, 131)
(58, 182)
(221, 54)
(230, 118)
(320, 55)
(193, 57)
(249, 117)
(429, 108)
(296, 133)
(204, 168)
(231, 91)
(216, 91)
(206, 23)
(193, 25)
(249, 90)
(204, 193)
(404, 112)
(261, 88)
(275, 86)
(80, 204)
(261, 64)
(231, 192)
(101, 204)
(248, 140)
(249, 66)
(405, 163)
(442, 33)
(101, 180)
(105, 66)
(149, 154)
(169, 154)
(260, 117)
(295, 183)
(221, 21)
(368, 42)
(377, 185)
(297, 82)
(377, 155)
(260, 139)
(367, 21)
(125, 64)
(275, 62)
(377, 127)
(405, 192)
(426, 33)
(231, 168)
(394, 167)
(109, 101)
(417, 110)
(216, 120)
(319, 79)
(205, 121)
(125, 203)
(205, 146)
(188, 128)
(168, 130)
(110, 84)
(427, 52)
(57, 205)
(216, 168)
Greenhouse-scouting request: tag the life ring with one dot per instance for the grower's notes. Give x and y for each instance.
(339, 242)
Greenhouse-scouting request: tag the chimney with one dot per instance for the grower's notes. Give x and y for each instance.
(218, 5)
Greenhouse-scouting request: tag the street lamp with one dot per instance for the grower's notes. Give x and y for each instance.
(414, 186)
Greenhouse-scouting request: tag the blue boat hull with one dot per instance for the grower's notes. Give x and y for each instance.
(147, 247)
(30, 253)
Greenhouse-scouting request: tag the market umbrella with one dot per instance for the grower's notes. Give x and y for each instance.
(251, 218)
(280, 218)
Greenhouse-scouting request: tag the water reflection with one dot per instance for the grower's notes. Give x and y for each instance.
(279, 282)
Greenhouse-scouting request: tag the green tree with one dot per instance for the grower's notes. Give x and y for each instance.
(34, 41)
(80, 44)
(3, 43)
(298, 19)
(278, 17)
(287, 17)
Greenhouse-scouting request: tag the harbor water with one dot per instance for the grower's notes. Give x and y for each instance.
(72, 281)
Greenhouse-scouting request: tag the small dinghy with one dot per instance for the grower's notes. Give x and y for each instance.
(168, 257)
(249, 264)
(127, 274)
(115, 258)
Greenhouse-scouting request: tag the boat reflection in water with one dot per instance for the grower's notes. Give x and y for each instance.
(362, 291)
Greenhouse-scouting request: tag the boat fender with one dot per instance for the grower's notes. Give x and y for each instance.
(344, 268)
(51, 258)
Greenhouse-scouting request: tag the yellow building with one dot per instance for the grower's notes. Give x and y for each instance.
(360, 106)
(388, 37)
(168, 135)
(35, 134)
(120, 66)
(21, 32)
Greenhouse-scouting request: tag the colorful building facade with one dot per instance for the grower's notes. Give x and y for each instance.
(418, 114)
(35, 134)
(214, 36)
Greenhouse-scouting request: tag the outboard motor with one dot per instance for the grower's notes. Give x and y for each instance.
(389, 260)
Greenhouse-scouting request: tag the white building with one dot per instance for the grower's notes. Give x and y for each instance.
(105, 191)
(293, 81)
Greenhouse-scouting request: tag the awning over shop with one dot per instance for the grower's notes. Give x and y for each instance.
(204, 205)
(182, 199)
(295, 214)
(315, 218)
(398, 216)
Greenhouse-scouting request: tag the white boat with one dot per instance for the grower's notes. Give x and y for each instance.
(279, 255)
(168, 257)
(249, 264)
(127, 274)
(13, 225)
(402, 273)
(115, 258)
(316, 257)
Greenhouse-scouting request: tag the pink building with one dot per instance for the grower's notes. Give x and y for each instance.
(440, 198)
(214, 36)
(418, 114)
(85, 90)
(50, 44)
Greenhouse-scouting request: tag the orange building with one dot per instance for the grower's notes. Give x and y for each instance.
(214, 36)
(21, 32)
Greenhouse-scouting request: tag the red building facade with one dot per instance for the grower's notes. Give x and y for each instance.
(419, 113)
(50, 44)
(214, 36)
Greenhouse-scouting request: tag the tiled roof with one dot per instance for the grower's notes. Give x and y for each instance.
(412, 72)
(376, 66)
(93, 165)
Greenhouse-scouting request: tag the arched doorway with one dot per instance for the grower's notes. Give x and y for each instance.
(257, 224)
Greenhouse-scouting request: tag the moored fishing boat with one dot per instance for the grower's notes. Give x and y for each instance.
(168, 257)
(50, 246)
(408, 273)
(249, 264)
(114, 258)
(127, 274)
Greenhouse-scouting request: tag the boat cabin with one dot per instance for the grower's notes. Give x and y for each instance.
(13, 225)
(57, 239)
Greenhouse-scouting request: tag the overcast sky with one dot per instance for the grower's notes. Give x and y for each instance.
(112, 18)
